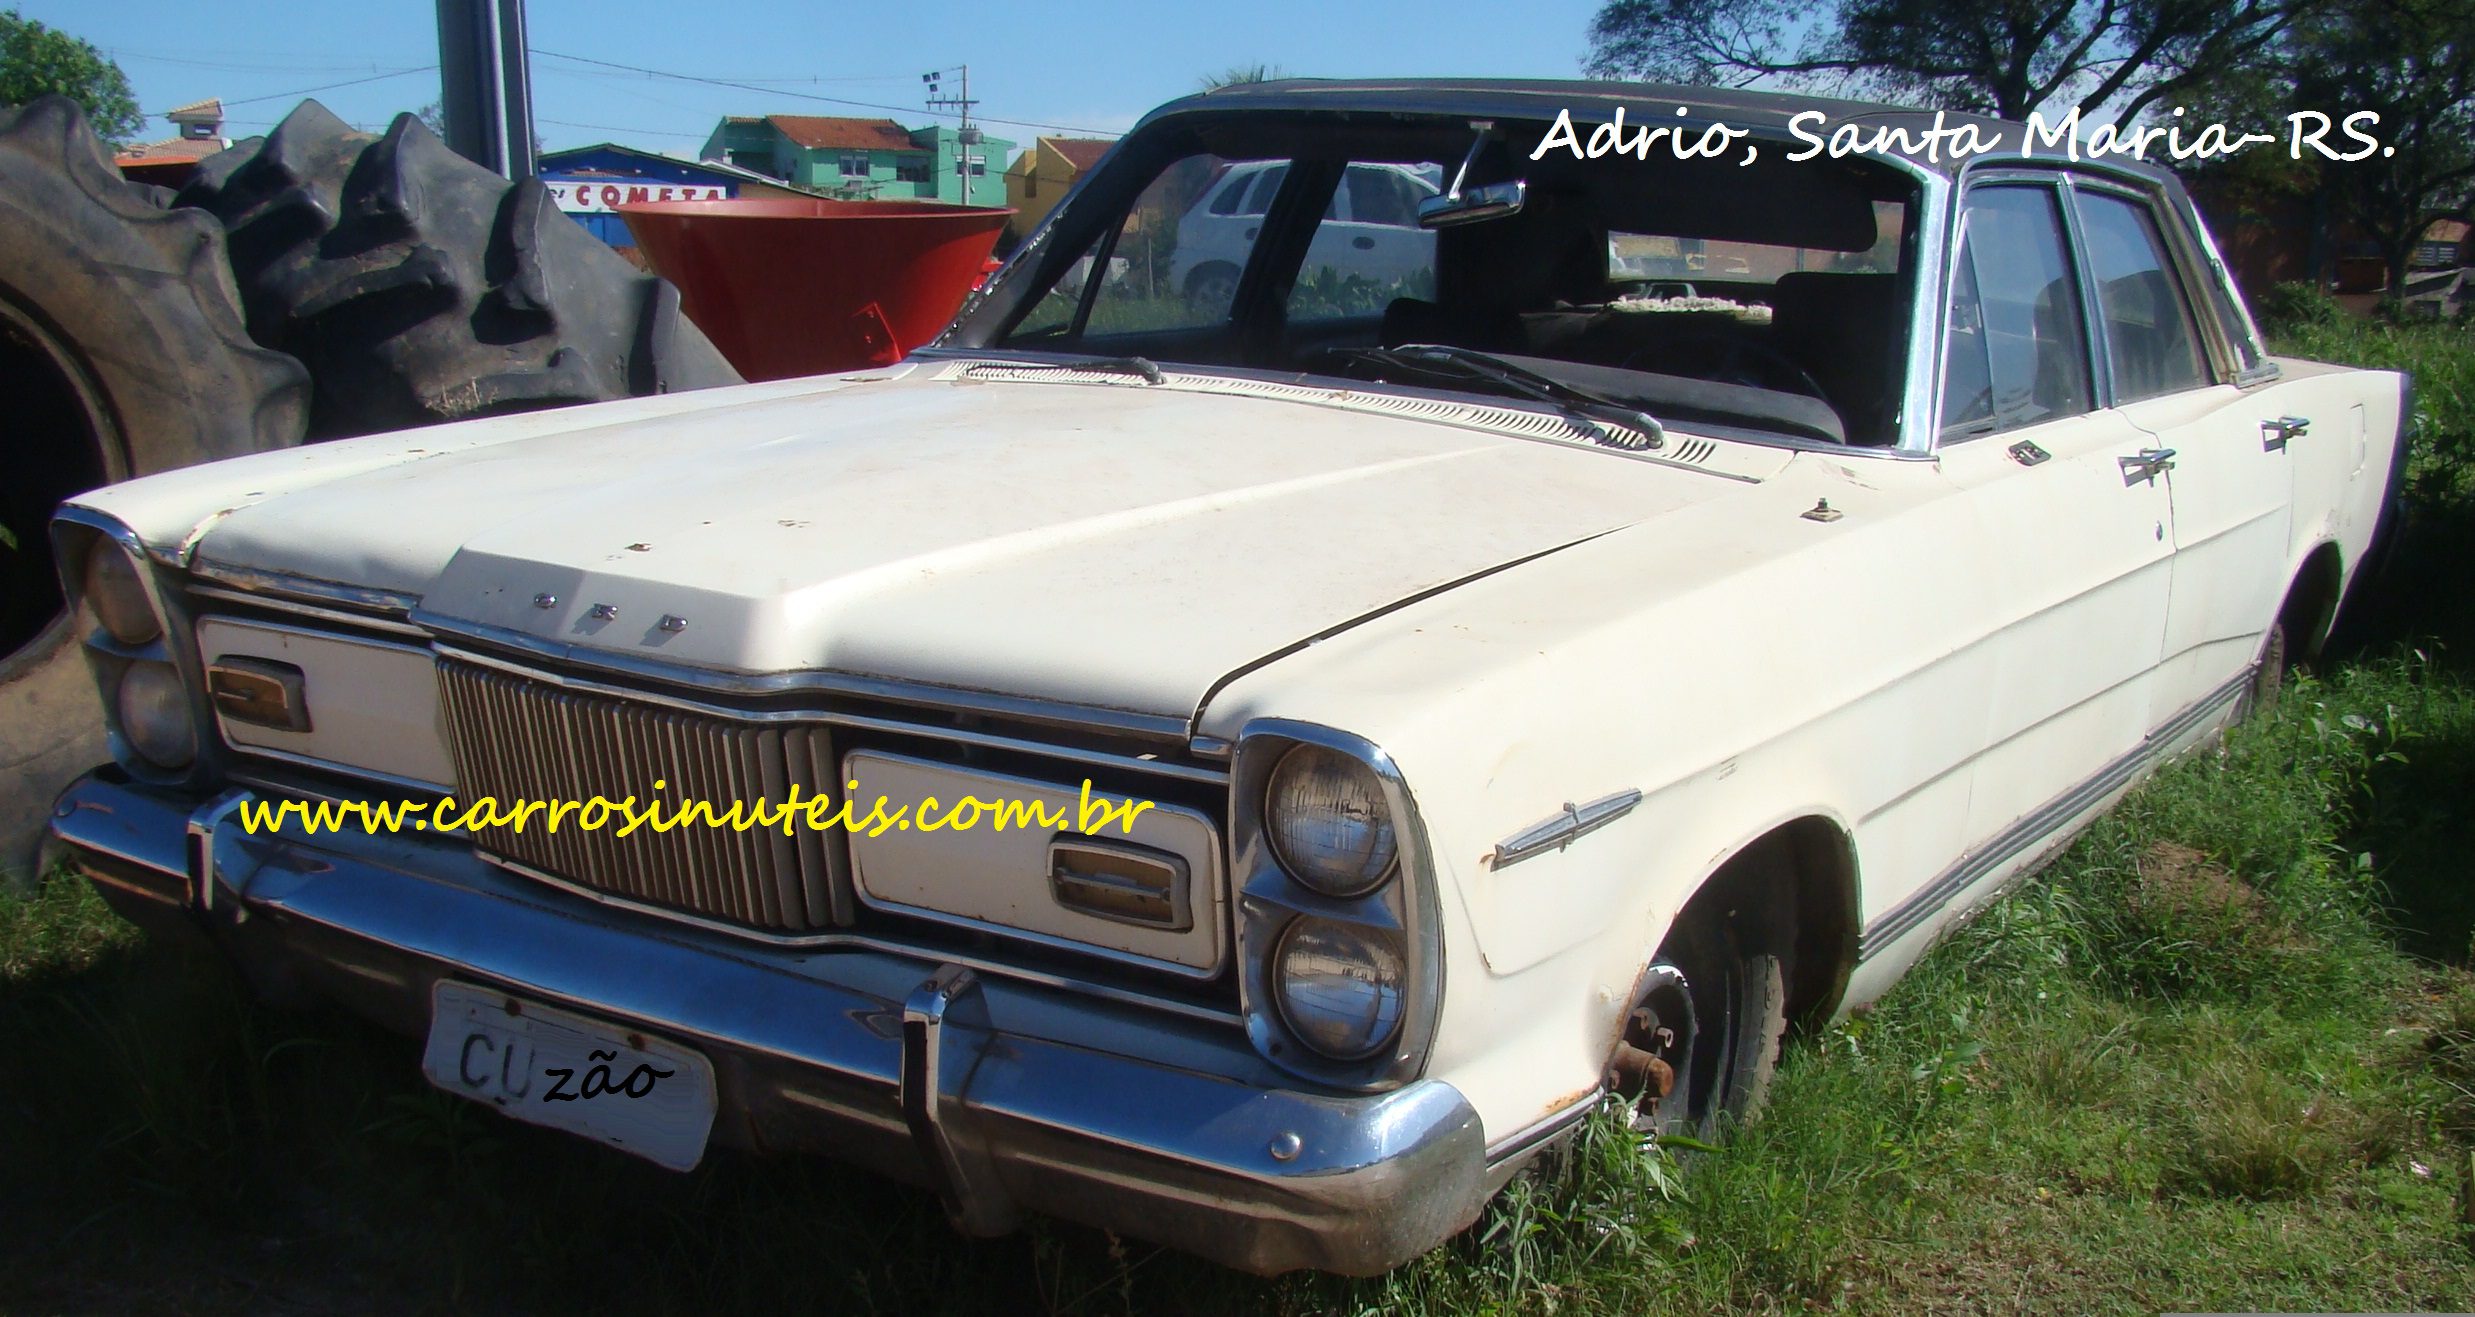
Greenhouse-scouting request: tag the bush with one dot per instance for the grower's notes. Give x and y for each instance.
(2440, 357)
(2293, 306)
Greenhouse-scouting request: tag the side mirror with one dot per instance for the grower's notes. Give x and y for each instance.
(1473, 205)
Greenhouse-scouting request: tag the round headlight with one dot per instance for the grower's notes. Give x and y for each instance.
(118, 598)
(1339, 986)
(1328, 823)
(154, 715)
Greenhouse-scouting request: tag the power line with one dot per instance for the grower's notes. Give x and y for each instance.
(808, 96)
(609, 128)
(289, 95)
(226, 66)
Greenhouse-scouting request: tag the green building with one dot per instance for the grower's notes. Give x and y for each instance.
(865, 159)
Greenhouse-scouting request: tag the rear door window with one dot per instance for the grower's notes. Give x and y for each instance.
(2152, 343)
(2016, 307)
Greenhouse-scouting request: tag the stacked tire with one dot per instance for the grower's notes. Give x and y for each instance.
(311, 284)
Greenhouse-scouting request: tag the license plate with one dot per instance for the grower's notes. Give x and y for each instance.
(636, 1093)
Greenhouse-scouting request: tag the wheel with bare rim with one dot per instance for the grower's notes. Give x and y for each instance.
(1703, 1038)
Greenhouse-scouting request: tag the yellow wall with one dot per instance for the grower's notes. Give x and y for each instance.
(1031, 203)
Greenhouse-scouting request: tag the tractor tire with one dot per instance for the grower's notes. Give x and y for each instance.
(419, 287)
(122, 352)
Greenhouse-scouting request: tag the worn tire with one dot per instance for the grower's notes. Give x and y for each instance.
(2268, 674)
(419, 287)
(1739, 990)
(122, 352)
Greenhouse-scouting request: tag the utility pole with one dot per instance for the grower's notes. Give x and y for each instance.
(965, 136)
(486, 83)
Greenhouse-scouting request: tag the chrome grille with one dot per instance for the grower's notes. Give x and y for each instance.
(520, 739)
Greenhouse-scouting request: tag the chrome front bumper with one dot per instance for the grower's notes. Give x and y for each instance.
(1002, 1095)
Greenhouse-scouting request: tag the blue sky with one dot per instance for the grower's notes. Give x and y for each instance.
(1092, 65)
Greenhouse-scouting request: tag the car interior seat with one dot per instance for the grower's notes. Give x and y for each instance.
(1844, 329)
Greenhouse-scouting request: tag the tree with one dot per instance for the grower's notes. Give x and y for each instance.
(1236, 74)
(36, 61)
(2001, 57)
(2412, 62)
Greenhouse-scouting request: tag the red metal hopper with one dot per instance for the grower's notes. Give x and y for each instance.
(790, 286)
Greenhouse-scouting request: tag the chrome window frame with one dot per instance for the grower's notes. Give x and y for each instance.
(2056, 184)
(1929, 218)
(2174, 230)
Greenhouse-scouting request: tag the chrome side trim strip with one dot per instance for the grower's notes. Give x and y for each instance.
(1561, 830)
(307, 589)
(2037, 826)
(1544, 1129)
(331, 616)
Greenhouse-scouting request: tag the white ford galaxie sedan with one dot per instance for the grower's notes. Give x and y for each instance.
(1559, 667)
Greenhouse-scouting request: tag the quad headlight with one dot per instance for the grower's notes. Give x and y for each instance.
(1325, 816)
(118, 597)
(1340, 987)
(154, 715)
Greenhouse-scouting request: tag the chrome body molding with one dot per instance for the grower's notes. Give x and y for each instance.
(844, 940)
(871, 1055)
(1559, 831)
(863, 722)
(378, 622)
(1265, 899)
(2046, 825)
(1519, 1144)
(1168, 731)
(74, 530)
(309, 590)
(401, 614)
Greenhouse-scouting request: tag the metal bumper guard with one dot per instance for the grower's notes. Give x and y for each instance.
(1002, 1095)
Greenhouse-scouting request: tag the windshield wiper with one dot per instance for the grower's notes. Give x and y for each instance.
(1575, 402)
(1142, 366)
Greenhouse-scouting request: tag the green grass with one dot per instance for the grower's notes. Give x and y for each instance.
(2220, 1055)
(2187, 1068)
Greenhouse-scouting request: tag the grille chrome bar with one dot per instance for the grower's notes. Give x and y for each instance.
(523, 740)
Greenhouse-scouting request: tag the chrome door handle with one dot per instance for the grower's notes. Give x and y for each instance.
(2145, 465)
(2274, 434)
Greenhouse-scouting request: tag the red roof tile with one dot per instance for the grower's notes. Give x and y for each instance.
(1080, 152)
(171, 148)
(820, 132)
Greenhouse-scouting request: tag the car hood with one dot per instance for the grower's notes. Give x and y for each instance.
(1110, 544)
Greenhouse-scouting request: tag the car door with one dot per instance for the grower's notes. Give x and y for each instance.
(1381, 213)
(1355, 267)
(2071, 504)
(2231, 479)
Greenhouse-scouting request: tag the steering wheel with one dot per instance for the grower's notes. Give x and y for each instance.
(1734, 359)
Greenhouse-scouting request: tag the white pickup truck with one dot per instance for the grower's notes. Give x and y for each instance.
(1549, 687)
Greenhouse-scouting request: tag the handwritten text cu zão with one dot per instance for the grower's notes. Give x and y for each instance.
(1956, 141)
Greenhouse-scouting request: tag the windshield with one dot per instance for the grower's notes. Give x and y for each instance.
(1769, 299)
